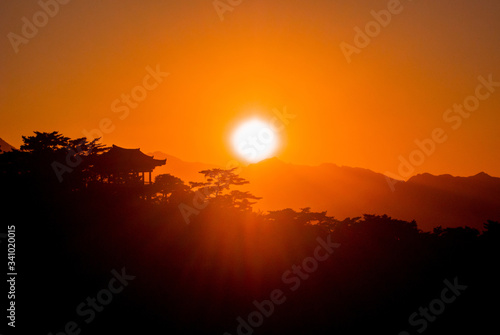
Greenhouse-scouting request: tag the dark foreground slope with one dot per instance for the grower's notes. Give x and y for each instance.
(202, 277)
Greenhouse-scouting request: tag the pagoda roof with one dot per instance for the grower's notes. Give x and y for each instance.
(118, 159)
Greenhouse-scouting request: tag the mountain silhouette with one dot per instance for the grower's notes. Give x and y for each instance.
(200, 253)
(4, 146)
(447, 200)
(344, 191)
(349, 192)
(187, 171)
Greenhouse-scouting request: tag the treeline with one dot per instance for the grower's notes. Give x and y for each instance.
(203, 260)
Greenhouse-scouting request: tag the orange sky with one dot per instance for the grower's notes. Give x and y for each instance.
(263, 55)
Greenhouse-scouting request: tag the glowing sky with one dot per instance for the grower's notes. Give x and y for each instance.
(74, 73)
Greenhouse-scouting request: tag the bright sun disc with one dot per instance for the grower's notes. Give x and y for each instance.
(254, 140)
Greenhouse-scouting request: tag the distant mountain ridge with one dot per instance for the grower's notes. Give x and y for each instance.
(4, 146)
(187, 171)
(348, 192)
(342, 191)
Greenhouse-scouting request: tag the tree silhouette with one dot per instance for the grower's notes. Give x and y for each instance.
(304, 217)
(239, 200)
(216, 188)
(167, 186)
(231, 256)
(51, 161)
(492, 227)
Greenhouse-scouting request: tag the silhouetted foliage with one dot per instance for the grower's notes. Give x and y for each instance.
(167, 186)
(216, 189)
(492, 228)
(200, 278)
(48, 162)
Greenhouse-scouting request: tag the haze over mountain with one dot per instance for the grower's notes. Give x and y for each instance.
(349, 192)
(343, 191)
(187, 171)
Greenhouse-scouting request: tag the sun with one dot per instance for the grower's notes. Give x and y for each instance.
(254, 140)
